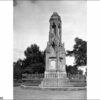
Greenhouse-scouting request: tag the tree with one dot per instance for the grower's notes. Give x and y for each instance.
(17, 69)
(71, 69)
(34, 54)
(34, 61)
(79, 52)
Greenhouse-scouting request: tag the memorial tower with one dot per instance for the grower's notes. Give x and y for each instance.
(55, 73)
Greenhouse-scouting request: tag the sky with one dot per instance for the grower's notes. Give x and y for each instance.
(31, 23)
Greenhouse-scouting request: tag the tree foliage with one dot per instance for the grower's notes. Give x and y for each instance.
(71, 69)
(79, 52)
(17, 69)
(34, 62)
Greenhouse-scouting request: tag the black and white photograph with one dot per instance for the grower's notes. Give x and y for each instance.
(50, 49)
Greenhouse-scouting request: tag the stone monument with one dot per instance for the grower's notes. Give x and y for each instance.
(55, 73)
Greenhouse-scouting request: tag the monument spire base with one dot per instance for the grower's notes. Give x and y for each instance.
(55, 80)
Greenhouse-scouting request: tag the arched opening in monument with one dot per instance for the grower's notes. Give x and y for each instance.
(59, 28)
(53, 45)
(54, 28)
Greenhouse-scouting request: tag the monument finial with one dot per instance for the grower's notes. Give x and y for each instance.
(55, 15)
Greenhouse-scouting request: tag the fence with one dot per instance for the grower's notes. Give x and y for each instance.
(32, 79)
(36, 79)
(32, 76)
(76, 77)
(41, 76)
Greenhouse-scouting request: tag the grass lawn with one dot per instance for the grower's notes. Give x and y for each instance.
(21, 94)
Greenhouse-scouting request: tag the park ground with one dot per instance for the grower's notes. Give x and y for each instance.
(23, 94)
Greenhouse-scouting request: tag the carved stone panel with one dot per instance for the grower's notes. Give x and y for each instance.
(52, 64)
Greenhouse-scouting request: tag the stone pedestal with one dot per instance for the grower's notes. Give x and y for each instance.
(55, 80)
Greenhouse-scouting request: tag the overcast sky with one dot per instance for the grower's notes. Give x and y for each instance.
(31, 23)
